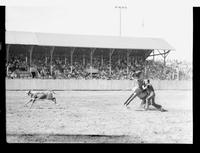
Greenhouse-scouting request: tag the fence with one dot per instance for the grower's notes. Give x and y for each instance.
(61, 84)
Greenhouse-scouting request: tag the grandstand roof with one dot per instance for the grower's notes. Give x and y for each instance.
(88, 41)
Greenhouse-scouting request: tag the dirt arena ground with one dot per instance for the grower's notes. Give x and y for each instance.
(99, 117)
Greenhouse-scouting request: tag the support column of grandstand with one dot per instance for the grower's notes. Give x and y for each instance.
(110, 60)
(118, 68)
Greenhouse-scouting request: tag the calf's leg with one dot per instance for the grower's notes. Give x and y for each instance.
(28, 102)
(54, 100)
(33, 103)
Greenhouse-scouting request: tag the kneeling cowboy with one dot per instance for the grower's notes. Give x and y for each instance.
(151, 97)
(141, 85)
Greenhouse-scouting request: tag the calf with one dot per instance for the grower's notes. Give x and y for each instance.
(40, 96)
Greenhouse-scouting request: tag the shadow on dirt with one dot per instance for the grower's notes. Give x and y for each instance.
(63, 138)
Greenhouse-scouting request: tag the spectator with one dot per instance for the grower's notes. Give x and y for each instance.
(33, 71)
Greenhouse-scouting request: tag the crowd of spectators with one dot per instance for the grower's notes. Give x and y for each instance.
(16, 65)
(156, 70)
(61, 68)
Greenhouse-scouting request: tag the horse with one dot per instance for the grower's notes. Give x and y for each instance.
(137, 92)
(40, 96)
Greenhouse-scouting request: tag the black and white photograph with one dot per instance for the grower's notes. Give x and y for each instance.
(99, 71)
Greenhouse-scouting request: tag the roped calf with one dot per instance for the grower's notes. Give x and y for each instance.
(40, 96)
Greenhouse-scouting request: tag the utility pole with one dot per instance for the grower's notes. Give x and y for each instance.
(120, 7)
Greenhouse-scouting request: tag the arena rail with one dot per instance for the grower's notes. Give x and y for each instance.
(60, 84)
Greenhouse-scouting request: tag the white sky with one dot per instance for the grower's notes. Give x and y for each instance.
(171, 20)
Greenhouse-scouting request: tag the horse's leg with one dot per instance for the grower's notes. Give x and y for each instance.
(129, 98)
(135, 94)
(28, 102)
(142, 103)
(147, 104)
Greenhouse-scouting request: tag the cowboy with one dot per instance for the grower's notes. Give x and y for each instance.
(141, 85)
(151, 97)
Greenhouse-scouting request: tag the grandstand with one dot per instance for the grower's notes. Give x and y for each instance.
(61, 56)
